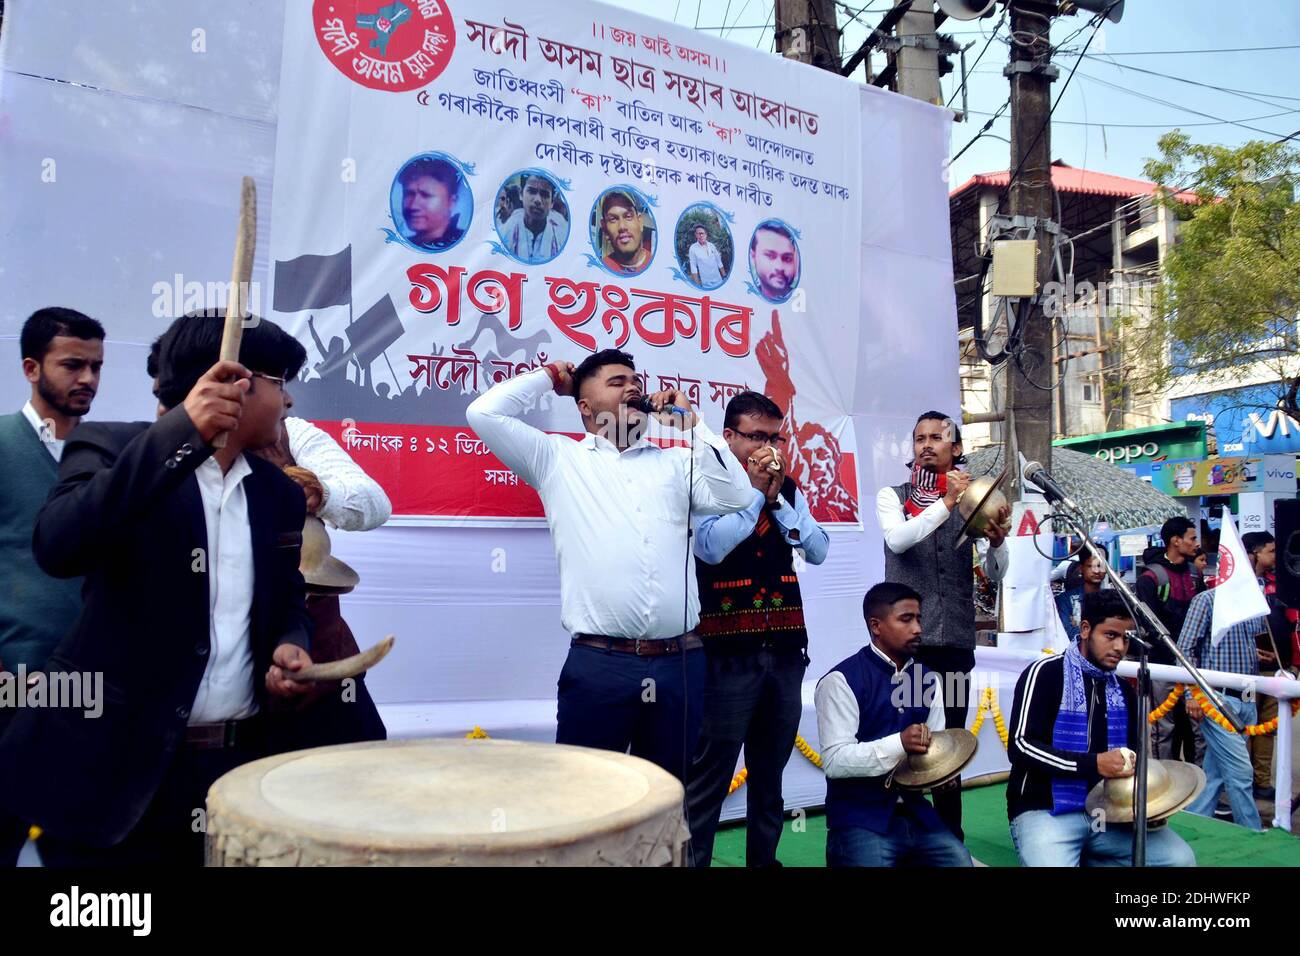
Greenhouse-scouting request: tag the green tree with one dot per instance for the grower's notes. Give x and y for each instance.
(1231, 281)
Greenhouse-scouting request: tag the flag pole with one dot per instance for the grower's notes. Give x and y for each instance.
(396, 384)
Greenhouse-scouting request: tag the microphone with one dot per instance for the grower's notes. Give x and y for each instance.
(1039, 476)
(642, 404)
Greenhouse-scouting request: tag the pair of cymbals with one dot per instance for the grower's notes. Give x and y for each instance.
(950, 751)
(1171, 786)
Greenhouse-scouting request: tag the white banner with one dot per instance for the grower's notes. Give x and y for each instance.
(152, 198)
(467, 191)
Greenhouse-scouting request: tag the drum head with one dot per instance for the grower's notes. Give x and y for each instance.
(446, 802)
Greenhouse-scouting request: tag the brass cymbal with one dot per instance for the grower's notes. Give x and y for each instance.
(1171, 785)
(319, 568)
(950, 751)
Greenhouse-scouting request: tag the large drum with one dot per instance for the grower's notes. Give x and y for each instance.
(447, 802)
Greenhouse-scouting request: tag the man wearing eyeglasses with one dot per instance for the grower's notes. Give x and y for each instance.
(751, 622)
(193, 613)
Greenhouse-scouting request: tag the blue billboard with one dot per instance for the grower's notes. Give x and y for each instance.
(1246, 420)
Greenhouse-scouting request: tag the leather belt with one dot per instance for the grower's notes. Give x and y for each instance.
(226, 733)
(641, 647)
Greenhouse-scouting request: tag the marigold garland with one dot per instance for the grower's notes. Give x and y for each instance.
(980, 711)
(1212, 712)
(737, 781)
(804, 748)
(988, 705)
(1169, 703)
(800, 745)
(1254, 730)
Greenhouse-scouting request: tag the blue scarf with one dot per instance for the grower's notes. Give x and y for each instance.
(1070, 732)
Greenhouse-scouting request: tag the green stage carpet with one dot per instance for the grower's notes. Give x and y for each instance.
(984, 817)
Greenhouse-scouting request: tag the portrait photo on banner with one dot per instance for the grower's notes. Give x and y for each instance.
(430, 202)
(774, 260)
(532, 216)
(703, 245)
(623, 231)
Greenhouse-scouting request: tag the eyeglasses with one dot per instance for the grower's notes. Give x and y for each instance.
(763, 438)
(271, 378)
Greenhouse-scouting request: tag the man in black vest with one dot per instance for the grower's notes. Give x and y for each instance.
(751, 622)
(921, 525)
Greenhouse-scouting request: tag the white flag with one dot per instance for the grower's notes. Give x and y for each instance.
(1237, 596)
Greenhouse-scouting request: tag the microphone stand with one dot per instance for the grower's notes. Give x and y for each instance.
(1154, 630)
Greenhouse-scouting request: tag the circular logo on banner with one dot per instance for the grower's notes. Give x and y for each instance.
(1226, 564)
(396, 46)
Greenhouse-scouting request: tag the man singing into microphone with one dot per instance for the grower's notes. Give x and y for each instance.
(619, 509)
(921, 525)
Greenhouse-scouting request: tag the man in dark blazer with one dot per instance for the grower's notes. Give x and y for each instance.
(193, 607)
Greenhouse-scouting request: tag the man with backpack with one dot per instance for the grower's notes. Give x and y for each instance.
(1167, 585)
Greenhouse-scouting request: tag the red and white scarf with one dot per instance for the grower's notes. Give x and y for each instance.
(928, 486)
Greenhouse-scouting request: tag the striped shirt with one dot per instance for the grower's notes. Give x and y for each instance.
(1235, 653)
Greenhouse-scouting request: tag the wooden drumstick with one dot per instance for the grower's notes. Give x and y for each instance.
(347, 667)
(241, 273)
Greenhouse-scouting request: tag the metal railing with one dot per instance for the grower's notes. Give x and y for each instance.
(1283, 688)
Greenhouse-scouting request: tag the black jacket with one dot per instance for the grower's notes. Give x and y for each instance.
(127, 515)
(1034, 761)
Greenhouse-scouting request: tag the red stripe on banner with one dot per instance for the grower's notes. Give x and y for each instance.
(442, 471)
(446, 471)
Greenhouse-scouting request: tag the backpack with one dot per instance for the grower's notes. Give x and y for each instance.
(1161, 574)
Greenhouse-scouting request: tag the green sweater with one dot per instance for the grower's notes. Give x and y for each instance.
(36, 610)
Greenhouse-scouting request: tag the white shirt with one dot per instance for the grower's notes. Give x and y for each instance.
(717, 537)
(901, 532)
(353, 500)
(618, 520)
(843, 755)
(44, 432)
(226, 692)
(535, 246)
(706, 262)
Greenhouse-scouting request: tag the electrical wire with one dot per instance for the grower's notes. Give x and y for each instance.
(1013, 346)
(996, 28)
(725, 28)
(1244, 94)
(983, 129)
(1185, 109)
(1237, 49)
(770, 15)
(1244, 119)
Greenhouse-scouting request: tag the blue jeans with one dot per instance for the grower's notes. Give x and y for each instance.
(1069, 840)
(907, 842)
(1228, 767)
